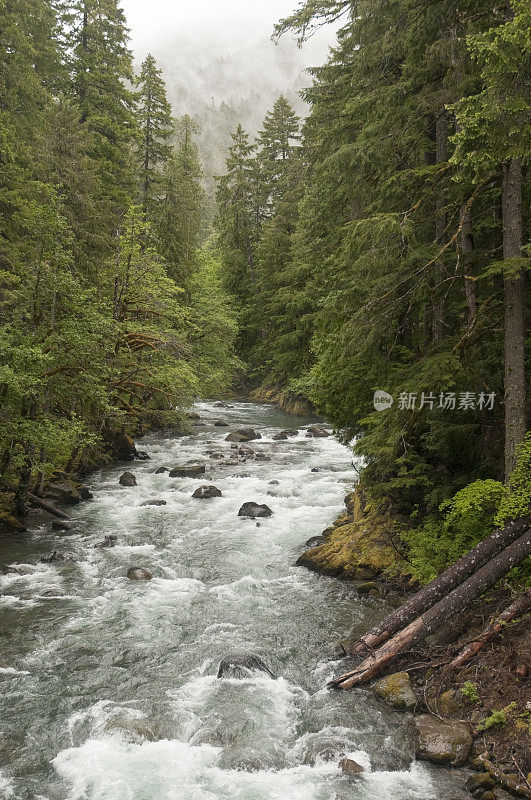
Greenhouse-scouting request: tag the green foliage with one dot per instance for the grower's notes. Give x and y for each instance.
(497, 718)
(470, 691)
(516, 498)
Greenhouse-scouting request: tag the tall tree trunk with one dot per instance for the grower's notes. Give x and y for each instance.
(441, 143)
(514, 301)
(441, 585)
(467, 248)
(439, 614)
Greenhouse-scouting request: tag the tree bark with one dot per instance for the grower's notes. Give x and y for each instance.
(441, 144)
(441, 585)
(514, 302)
(433, 619)
(520, 606)
(467, 248)
(49, 507)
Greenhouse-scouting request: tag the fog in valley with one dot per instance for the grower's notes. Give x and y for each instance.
(220, 64)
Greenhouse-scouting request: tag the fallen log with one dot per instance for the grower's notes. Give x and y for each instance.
(434, 618)
(517, 787)
(520, 606)
(440, 586)
(49, 507)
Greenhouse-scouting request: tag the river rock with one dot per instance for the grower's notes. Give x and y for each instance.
(193, 415)
(274, 483)
(441, 742)
(55, 557)
(254, 510)
(190, 471)
(246, 451)
(139, 574)
(132, 729)
(243, 435)
(219, 423)
(242, 665)
(141, 455)
(350, 767)
(59, 525)
(206, 492)
(279, 437)
(153, 503)
(315, 541)
(216, 456)
(262, 457)
(5, 570)
(110, 541)
(127, 479)
(317, 432)
(66, 492)
(395, 690)
(161, 470)
(483, 780)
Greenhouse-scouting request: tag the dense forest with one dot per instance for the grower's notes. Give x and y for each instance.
(382, 246)
(377, 246)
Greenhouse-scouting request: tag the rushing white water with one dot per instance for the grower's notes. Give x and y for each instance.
(108, 685)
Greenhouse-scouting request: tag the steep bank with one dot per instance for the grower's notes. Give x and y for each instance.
(489, 695)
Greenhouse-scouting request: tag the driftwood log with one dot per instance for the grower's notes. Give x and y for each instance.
(435, 617)
(448, 580)
(49, 507)
(516, 609)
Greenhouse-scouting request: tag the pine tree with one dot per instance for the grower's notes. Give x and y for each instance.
(156, 125)
(276, 144)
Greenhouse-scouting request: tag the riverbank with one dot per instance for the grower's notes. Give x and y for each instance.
(481, 710)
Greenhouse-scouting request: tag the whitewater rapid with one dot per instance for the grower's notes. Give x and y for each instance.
(108, 686)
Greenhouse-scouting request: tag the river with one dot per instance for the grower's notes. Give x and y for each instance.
(108, 685)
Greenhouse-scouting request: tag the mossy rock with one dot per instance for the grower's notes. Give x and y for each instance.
(396, 691)
(450, 703)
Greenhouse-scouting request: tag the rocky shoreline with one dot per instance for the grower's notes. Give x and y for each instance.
(477, 717)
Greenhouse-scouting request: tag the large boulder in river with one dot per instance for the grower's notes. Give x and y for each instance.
(206, 492)
(127, 479)
(396, 691)
(253, 510)
(67, 492)
(189, 471)
(139, 574)
(243, 435)
(153, 503)
(242, 665)
(442, 742)
(110, 541)
(318, 431)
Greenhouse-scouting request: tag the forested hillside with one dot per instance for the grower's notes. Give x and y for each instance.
(111, 319)
(383, 246)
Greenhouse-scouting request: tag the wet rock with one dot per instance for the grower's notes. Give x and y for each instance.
(368, 587)
(441, 742)
(206, 492)
(315, 541)
(133, 729)
(219, 423)
(55, 557)
(127, 479)
(242, 665)
(217, 456)
(279, 437)
(193, 415)
(350, 767)
(153, 503)
(53, 593)
(110, 541)
(262, 457)
(395, 690)
(143, 456)
(121, 443)
(243, 435)
(161, 470)
(274, 483)
(483, 780)
(253, 510)
(65, 492)
(139, 574)
(221, 404)
(59, 525)
(190, 471)
(242, 475)
(450, 703)
(5, 570)
(246, 451)
(317, 432)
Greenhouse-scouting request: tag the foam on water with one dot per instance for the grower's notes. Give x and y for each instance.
(122, 697)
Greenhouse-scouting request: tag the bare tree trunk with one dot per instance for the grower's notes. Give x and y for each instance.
(514, 300)
(441, 143)
(441, 585)
(467, 248)
(520, 606)
(49, 507)
(440, 613)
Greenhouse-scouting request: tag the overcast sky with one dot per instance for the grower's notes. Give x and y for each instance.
(215, 27)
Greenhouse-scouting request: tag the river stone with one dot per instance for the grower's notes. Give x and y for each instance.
(59, 525)
(254, 510)
(153, 503)
(219, 423)
(279, 437)
(193, 415)
(395, 690)
(206, 492)
(191, 471)
(64, 492)
(350, 767)
(132, 729)
(127, 479)
(274, 483)
(216, 456)
(450, 703)
(5, 570)
(143, 456)
(55, 557)
(317, 432)
(242, 665)
(243, 435)
(221, 404)
(109, 541)
(484, 780)
(139, 574)
(441, 742)
(161, 470)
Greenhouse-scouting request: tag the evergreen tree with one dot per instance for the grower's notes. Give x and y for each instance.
(156, 125)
